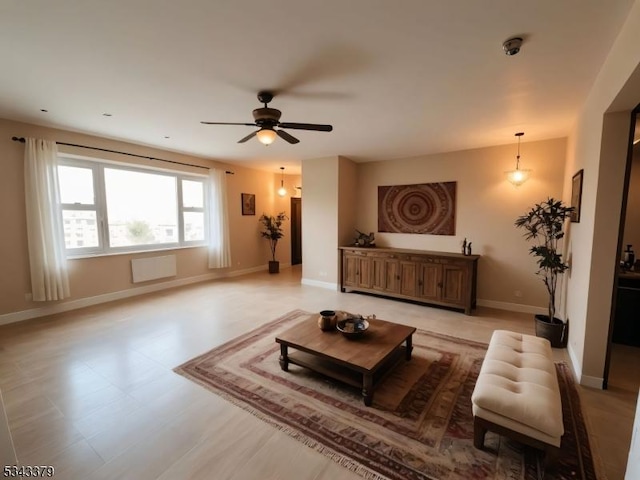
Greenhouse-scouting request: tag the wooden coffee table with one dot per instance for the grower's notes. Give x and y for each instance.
(361, 362)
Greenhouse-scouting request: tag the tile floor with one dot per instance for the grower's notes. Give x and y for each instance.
(92, 391)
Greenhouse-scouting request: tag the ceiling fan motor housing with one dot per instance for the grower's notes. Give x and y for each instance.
(266, 116)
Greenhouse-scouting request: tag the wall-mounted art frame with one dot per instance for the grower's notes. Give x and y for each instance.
(426, 208)
(248, 203)
(576, 195)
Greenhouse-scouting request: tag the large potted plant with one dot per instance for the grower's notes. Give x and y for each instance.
(272, 231)
(544, 224)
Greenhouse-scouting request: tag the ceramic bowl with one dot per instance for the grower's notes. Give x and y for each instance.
(352, 327)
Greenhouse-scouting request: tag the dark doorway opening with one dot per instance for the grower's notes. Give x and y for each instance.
(624, 329)
(296, 231)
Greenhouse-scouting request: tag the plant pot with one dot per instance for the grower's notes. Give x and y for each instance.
(274, 267)
(557, 332)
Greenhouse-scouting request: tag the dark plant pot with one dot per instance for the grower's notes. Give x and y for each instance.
(556, 332)
(274, 267)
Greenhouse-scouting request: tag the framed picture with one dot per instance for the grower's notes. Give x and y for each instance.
(248, 203)
(576, 196)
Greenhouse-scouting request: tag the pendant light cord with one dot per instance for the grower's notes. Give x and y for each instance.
(519, 135)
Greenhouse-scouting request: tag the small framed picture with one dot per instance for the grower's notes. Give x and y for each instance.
(248, 203)
(576, 196)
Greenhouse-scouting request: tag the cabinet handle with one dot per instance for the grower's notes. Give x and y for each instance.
(397, 277)
(357, 273)
(419, 283)
(440, 285)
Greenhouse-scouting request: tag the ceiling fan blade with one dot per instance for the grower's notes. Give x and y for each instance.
(248, 137)
(285, 136)
(307, 126)
(227, 123)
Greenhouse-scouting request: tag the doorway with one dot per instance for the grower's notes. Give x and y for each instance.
(622, 363)
(296, 231)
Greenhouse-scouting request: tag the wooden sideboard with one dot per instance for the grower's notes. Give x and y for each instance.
(435, 278)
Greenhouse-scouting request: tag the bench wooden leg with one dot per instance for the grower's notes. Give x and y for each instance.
(479, 432)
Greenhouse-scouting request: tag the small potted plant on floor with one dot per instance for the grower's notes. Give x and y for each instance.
(272, 231)
(544, 223)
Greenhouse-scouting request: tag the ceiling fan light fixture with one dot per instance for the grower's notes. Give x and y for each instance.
(266, 136)
(518, 176)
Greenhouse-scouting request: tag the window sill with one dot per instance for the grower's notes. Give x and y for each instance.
(132, 252)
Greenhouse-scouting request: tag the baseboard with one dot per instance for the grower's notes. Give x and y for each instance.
(593, 382)
(318, 283)
(110, 297)
(512, 307)
(584, 380)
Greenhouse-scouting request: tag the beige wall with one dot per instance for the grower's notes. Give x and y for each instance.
(598, 144)
(92, 277)
(320, 221)
(487, 206)
(348, 201)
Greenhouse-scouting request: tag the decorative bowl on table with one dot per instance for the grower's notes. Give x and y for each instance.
(352, 327)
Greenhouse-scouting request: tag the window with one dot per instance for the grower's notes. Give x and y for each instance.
(109, 209)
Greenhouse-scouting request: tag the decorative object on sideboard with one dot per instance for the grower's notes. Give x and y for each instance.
(544, 223)
(576, 196)
(364, 240)
(272, 231)
(518, 176)
(248, 203)
(628, 258)
(282, 191)
(466, 247)
(427, 208)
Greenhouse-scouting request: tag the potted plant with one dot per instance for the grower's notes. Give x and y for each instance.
(544, 223)
(272, 231)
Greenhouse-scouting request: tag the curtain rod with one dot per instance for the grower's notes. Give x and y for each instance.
(22, 140)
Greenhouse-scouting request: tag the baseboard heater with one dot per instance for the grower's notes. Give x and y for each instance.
(152, 268)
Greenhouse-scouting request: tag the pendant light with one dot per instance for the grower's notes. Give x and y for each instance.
(282, 191)
(518, 176)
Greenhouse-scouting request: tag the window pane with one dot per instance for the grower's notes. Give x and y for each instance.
(141, 207)
(192, 194)
(76, 185)
(80, 228)
(193, 226)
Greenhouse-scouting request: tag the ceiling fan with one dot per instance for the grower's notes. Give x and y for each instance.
(267, 119)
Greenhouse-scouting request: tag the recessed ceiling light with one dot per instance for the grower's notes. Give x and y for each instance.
(43, 110)
(106, 114)
(166, 136)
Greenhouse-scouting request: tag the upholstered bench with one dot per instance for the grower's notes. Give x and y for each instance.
(517, 393)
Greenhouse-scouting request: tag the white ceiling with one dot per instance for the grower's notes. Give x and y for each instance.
(395, 79)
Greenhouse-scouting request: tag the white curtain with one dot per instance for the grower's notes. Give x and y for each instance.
(219, 250)
(45, 232)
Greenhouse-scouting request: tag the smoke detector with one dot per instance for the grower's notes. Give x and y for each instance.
(512, 46)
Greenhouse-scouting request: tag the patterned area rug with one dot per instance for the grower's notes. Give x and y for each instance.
(419, 426)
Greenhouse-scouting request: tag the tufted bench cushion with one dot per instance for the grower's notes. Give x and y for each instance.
(517, 391)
